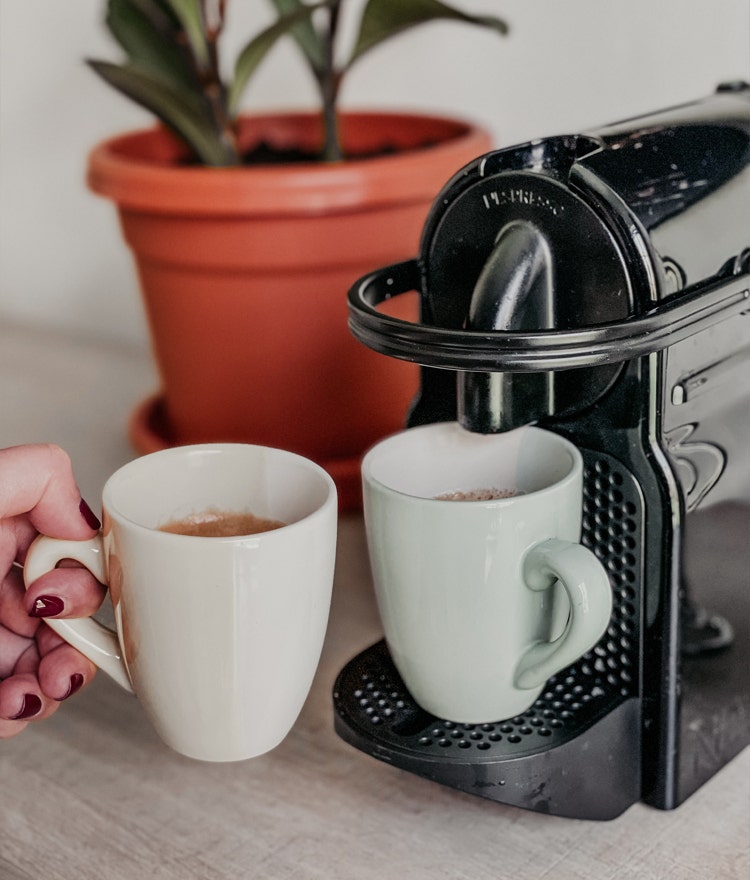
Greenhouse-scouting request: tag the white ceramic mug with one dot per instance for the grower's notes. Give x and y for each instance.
(481, 601)
(219, 637)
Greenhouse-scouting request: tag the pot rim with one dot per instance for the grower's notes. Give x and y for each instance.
(122, 168)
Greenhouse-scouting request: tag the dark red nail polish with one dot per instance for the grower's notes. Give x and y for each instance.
(31, 706)
(47, 606)
(76, 683)
(89, 516)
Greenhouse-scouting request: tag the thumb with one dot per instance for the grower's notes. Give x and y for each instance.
(37, 480)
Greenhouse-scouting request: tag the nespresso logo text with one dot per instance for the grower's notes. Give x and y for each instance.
(520, 196)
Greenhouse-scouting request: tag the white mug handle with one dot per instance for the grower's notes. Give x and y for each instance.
(91, 638)
(587, 585)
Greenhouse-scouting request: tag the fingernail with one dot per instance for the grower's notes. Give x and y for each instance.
(31, 706)
(88, 514)
(76, 683)
(47, 606)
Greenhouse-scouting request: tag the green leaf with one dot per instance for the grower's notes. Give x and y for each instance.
(147, 37)
(181, 109)
(382, 19)
(257, 49)
(308, 39)
(159, 13)
(190, 14)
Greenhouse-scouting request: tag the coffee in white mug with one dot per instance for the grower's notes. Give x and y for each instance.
(215, 523)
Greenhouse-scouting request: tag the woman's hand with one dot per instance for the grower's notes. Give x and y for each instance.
(38, 494)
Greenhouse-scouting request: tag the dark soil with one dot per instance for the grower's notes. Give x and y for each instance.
(266, 154)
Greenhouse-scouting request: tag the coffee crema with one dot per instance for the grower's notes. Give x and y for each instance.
(214, 523)
(479, 495)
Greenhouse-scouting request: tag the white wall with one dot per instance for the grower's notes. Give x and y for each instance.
(567, 65)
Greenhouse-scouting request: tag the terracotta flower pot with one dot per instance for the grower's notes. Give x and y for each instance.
(244, 274)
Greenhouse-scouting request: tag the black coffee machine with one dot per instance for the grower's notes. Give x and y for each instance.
(597, 285)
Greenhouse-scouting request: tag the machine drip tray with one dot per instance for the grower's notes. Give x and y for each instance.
(575, 752)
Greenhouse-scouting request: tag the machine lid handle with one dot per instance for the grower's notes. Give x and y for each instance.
(669, 322)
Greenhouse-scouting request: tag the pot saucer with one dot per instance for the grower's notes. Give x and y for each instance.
(149, 431)
(148, 427)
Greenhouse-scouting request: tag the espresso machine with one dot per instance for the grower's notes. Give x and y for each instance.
(596, 285)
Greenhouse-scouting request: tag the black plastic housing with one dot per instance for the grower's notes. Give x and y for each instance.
(630, 246)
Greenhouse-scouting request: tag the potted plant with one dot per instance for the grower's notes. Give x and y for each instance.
(248, 230)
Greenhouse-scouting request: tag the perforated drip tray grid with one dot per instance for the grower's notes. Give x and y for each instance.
(371, 699)
(376, 713)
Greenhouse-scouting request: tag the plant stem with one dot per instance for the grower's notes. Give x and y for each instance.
(211, 84)
(330, 83)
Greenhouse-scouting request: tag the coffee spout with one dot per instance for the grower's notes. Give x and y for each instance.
(514, 291)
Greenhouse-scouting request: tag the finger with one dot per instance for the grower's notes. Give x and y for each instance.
(13, 613)
(22, 699)
(11, 728)
(28, 661)
(64, 592)
(47, 640)
(63, 672)
(38, 479)
(12, 646)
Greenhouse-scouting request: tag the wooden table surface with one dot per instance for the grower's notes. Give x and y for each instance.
(92, 792)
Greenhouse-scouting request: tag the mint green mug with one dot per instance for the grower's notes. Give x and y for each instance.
(481, 601)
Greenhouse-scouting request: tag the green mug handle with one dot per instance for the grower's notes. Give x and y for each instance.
(586, 583)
